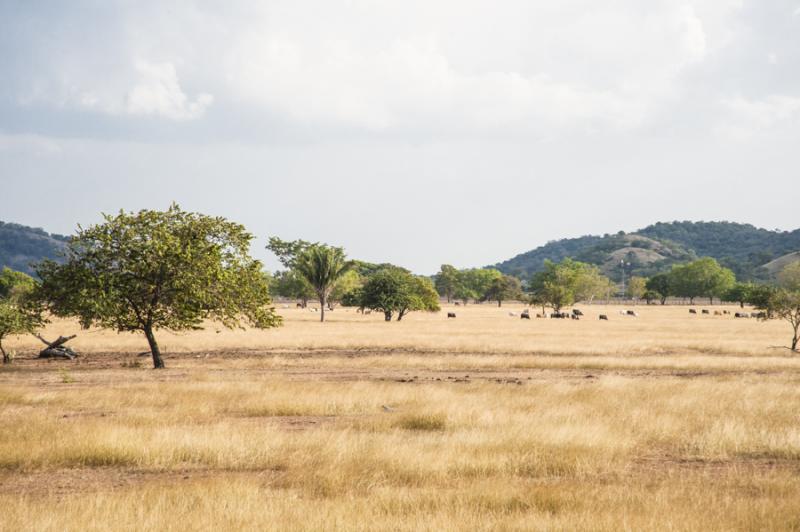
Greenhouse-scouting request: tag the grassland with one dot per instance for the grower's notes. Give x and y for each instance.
(486, 422)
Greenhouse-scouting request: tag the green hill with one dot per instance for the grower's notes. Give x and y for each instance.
(21, 245)
(743, 248)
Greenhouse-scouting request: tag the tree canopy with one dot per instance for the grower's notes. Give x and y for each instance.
(393, 290)
(322, 266)
(17, 315)
(562, 284)
(158, 270)
(701, 278)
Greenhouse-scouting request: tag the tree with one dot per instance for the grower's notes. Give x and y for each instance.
(740, 293)
(503, 288)
(660, 284)
(292, 285)
(701, 278)
(17, 314)
(140, 272)
(473, 284)
(287, 251)
(11, 280)
(447, 281)
(322, 266)
(349, 283)
(393, 290)
(783, 301)
(636, 287)
(650, 295)
(562, 284)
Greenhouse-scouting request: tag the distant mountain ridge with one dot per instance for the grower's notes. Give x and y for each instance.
(21, 245)
(744, 248)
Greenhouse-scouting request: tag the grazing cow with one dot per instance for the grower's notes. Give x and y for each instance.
(704, 311)
(717, 313)
(299, 305)
(575, 317)
(541, 315)
(577, 312)
(457, 304)
(632, 313)
(741, 315)
(603, 317)
(525, 316)
(692, 311)
(451, 314)
(621, 312)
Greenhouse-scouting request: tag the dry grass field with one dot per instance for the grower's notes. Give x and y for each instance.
(486, 422)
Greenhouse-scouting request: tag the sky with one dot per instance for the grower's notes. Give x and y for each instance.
(417, 132)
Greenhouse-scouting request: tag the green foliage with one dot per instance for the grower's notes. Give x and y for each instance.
(701, 278)
(562, 284)
(394, 290)
(742, 248)
(292, 285)
(636, 287)
(503, 288)
(18, 314)
(158, 270)
(322, 266)
(783, 301)
(447, 281)
(739, 293)
(660, 284)
(349, 283)
(287, 250)
(475, 283)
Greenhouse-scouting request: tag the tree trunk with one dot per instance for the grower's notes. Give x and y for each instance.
(499, 303)
(741, 304)
(321, 308)
(400, 315)
(711, 300)
(158, 362)
(691, 301)
(6, 357)
(387, 315)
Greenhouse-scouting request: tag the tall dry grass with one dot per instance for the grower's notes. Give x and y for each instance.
(289, 440)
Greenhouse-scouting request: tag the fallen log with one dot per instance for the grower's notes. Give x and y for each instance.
(57, 349)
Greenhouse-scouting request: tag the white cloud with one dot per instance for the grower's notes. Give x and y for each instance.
(159, 93)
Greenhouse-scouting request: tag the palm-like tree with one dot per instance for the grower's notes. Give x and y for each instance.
(322, 266)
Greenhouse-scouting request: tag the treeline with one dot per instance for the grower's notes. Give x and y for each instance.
(173, 270)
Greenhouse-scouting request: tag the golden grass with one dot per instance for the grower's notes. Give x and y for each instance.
(351, 433)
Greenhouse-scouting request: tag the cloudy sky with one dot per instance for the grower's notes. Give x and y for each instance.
(416, 132)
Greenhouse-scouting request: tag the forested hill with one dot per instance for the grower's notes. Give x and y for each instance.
(742, 247)
(21, 245)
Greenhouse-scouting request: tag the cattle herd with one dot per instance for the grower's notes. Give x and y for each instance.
(576, 314)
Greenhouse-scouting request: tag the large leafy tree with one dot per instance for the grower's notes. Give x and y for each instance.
(701, 278)
(322, 266)
(503, 288)
(562, 284)
(347, 284)
(17, 315)
(783, 301)
(447, 281)
(394, 290)
(636, 288)
(660, 284)
(151, 270)
(474, 284)
(740, 293)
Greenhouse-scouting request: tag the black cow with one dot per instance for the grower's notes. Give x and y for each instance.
(524, 316)
(603, 317)
(577, 312)
(631, 313)
(451, 314)
(704, 311)
(692, 311)
(741, 315)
